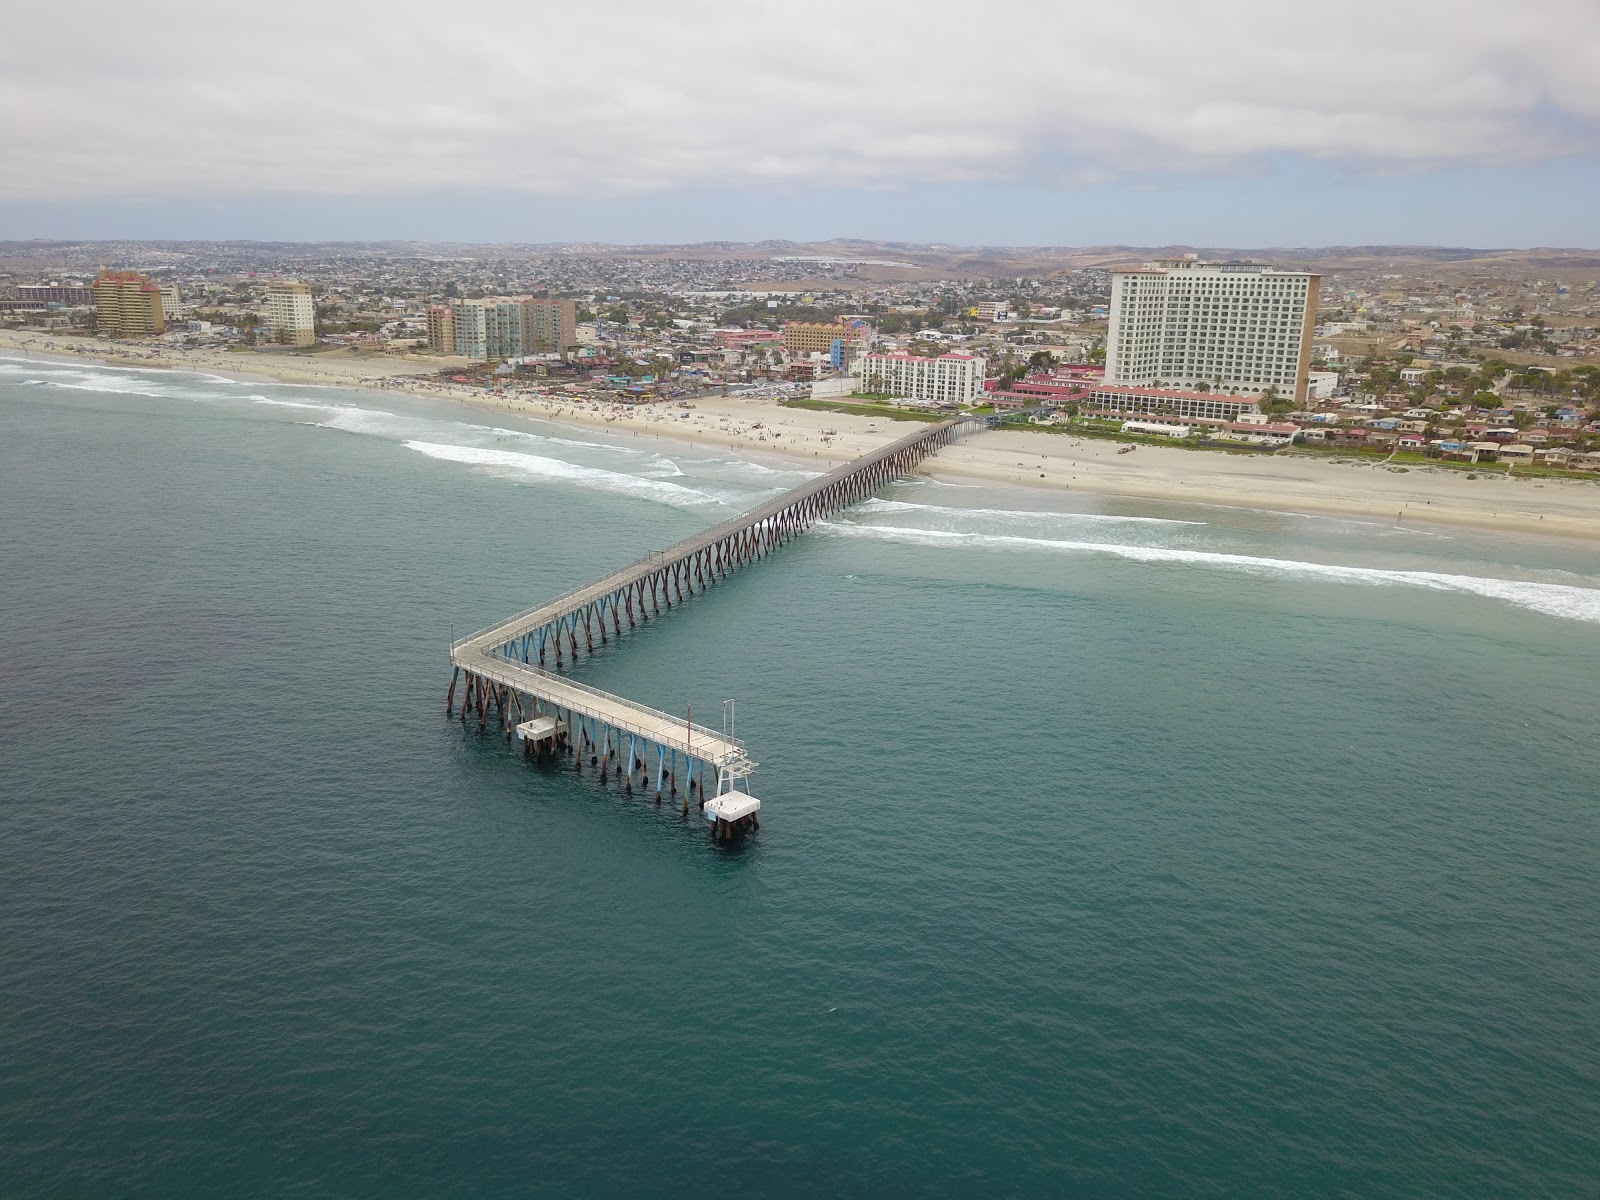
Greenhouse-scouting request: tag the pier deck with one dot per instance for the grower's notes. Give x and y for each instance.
(558, 692)
(514, 658)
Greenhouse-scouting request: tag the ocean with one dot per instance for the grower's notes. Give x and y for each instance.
(1108, 848)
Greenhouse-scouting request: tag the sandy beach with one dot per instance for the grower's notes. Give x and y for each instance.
(1285, 481)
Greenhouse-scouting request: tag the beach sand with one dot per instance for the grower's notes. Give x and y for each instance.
(1284, 481)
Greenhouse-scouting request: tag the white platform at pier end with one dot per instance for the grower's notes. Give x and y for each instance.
(540, 728)
(732, 806)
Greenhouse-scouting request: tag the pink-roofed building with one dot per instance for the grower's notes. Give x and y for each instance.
(953, 378)
(738, 339)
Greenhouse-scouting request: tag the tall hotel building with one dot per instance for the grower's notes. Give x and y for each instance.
(128, 304)
(291, 317)
(1231, 327)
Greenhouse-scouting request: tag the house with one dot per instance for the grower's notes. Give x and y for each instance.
(1412, 441)
(1155, 429)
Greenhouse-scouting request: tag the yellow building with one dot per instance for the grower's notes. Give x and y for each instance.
(128, 304)
(804, 337)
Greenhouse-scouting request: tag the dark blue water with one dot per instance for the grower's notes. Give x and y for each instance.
(1102, 854)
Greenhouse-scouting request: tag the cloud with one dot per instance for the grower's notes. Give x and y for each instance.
(614, 97)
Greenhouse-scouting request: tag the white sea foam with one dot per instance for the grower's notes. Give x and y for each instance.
(119, 385)
(553, 440)
(296, 404)
(1551, 599)
(874, 505)
(375, 421)
(554, 468)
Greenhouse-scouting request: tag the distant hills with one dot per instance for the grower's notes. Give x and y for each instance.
(876, 259)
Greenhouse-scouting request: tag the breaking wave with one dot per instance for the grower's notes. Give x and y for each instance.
(1551, 599)
(875, 505)
(595, 478)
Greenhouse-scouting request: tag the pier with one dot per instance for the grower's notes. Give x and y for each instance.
(515, 667)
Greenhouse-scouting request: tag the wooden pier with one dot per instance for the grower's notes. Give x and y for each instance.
(513, 666)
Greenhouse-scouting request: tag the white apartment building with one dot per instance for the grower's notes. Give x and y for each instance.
(1232, 327)
(171, 303)
(954, 378)
(1154, 402)
(291, 318)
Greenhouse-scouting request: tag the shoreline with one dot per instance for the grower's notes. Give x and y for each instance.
(1374, 491)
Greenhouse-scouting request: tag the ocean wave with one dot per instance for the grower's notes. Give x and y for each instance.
(115, 385)
(296, 404)
(1551, 599)
(553, 440)
(375, 422)
(594, 478)
(875, 505)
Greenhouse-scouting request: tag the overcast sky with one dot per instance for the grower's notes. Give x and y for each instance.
(1239, 122)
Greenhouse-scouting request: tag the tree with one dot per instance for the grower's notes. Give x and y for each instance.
(1274, 403)
(618, 315)
(1041, 360)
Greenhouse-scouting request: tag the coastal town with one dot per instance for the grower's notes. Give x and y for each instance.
(1479, 364)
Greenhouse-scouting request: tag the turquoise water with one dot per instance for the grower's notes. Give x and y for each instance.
(1108, 848)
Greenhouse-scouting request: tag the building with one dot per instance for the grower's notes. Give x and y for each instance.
(1194, 406)
(740, 339)
(838, 340)
(514, 327)
(489, 328)
(128, 304)
(70, 295)
(291, 317)
(552, 325)
(1239, 327)
(171, 303)
(441, 329)
(954, 378)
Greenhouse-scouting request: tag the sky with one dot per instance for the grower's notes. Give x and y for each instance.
(1054, 122)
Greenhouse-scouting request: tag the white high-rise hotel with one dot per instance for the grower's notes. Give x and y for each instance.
(1229, 327)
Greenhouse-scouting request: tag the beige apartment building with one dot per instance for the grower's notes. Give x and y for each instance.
(128, 304)
(441, 329)
(1230, 327)
(803, 338)
(291, 317)
(552, 325)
